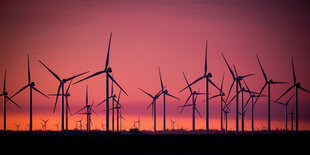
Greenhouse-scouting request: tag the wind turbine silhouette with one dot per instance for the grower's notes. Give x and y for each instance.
(153, 104)
(221, 94)
(252, 96)
(207, 76)
(172, 124)
(285, 105)
(297, 86)
(17, 126)
(89, 111)
(57, 125)
(68, 110)
(106, 70)
(5, 98)
(44, 123)
(61, 86)
(193, 94)
(268, 83)
(118, 107)
(165, 92)
(292, 117)
(237, 79)
(31, 87)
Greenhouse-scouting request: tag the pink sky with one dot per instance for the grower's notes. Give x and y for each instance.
(72, 37)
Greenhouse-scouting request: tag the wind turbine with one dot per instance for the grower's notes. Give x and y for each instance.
(165, 92)
(285, 105)
(61, 86)
(237, 79)
(31, 87)
(193, 94)
(5, 98)
(68, 110)
(221, 94)
(297, 86)
(252, 96)
(153, 104)
(57, 125)
(118, 107)
(44, 123)
(172, 123)
(89, 111)
(80, 121)
(17, 126)
(268, 83)
(106, 70)
(207, 76)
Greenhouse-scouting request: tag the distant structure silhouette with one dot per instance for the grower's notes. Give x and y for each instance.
(285, 105)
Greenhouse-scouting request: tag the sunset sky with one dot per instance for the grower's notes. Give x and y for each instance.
(71, 37)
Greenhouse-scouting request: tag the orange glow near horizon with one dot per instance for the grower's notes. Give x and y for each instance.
(73, 38)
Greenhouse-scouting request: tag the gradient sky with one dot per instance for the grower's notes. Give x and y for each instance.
(71, 37)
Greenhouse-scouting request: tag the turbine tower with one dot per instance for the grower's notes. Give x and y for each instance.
(207, 76)
(165, 92)
(297, 86)
(268, 83)
(5, 98)
(61, 86)
(31, 87)
(106, 70)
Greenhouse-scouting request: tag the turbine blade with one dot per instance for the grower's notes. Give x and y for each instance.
(215, 85)
(71, 78)
(261, 67)
(55, 75)
(20, 90)
(149, 105)
(108, 54)
(214, 96)
(198, 112)
(260, 93)
(275, 82)
(40, 92)
(12, 101)
(57, 97)
(172, 96)
(161, 81)
(95, 74)
(68, 106)
(29, 78)
(246, 76)
(285, 92)
(232, 73)
(116, 83)
(206, 62)
(222, 81)
(80, 110)
(146, 93)
(232, 84)
(304, 89)
(235, 70)
(4, 81)
(68, 87)
(189, 85)
(294, 76)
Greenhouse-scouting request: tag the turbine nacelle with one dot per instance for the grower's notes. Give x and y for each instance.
(208, 75)
(109, 70)
(298, 84)
(32, 84)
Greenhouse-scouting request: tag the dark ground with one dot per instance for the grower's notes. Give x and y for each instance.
(101, 143)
